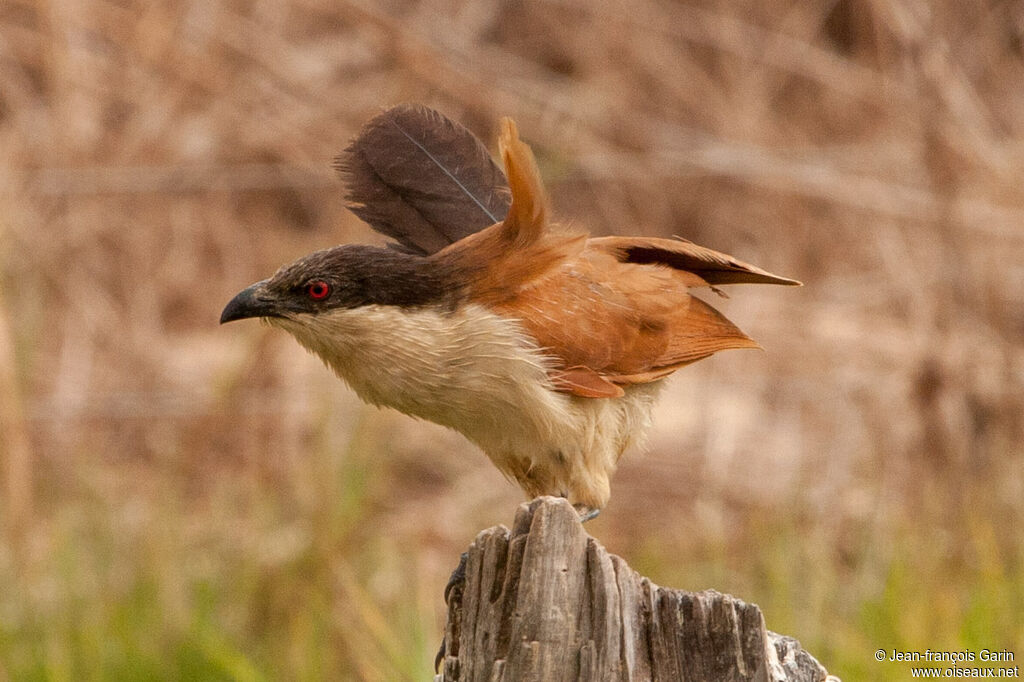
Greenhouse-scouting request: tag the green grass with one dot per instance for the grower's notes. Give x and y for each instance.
(157, 601)
(251, 587)
(951, 583)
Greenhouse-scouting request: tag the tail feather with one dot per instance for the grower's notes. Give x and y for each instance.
(712, 266)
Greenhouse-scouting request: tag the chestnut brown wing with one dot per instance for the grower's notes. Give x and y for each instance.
(609, 311)
(608, 323)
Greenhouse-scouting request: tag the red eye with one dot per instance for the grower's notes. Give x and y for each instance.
(318, 290)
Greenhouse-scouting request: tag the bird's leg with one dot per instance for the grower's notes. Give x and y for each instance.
(586, 512)
(456, 581)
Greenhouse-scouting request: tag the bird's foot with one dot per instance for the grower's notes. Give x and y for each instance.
(455, 582)
(586, 512)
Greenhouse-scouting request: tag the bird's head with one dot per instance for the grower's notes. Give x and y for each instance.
(340, 278)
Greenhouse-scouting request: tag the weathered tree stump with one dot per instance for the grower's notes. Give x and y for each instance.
(545, 601)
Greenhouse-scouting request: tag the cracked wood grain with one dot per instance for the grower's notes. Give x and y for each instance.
(545, 601)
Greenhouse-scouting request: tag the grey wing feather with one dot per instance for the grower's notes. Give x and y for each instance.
(422, 179)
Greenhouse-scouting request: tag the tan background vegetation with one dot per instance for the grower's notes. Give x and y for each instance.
(185, 501)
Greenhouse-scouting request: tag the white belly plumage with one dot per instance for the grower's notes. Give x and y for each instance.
(481, 375)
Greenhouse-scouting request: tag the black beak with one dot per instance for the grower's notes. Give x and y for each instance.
(250, 302)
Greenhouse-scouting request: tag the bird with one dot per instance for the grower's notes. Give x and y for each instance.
(541, 344)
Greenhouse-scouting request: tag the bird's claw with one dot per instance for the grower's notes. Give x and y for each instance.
(585, 512)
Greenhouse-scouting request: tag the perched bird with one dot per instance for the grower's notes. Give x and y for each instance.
(545, 347)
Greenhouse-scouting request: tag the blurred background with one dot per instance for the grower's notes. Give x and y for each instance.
(186, 501)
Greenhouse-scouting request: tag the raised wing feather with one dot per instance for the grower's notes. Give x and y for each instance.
(496, 263)
(422, 179)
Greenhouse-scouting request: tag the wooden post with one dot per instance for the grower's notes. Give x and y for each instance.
(545, 601)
